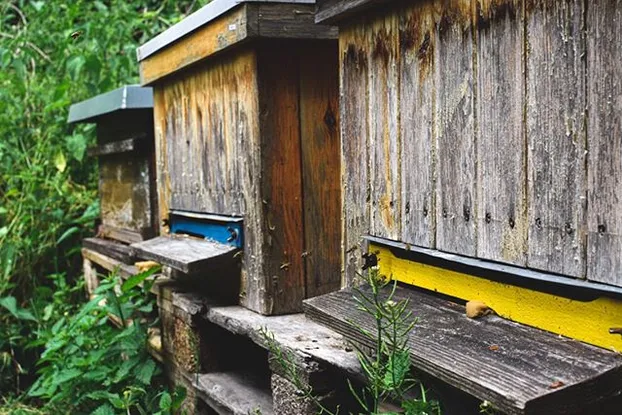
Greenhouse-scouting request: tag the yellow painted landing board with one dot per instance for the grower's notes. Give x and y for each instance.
(588, 321)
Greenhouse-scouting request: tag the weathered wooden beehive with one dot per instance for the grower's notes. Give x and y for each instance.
(481, 160)
(124, 119)
(247, 146)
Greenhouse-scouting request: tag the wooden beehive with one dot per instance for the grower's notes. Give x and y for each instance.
(467, 147)
(124, 119)
(246, 126)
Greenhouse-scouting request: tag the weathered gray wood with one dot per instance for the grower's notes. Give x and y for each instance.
(604, 165)
(123, 146)
(184, 253)
(231, 393)
(308, 340)
(290, 21)
(416, 110)
(331, 11)
(91, 279)
(354, 147)
(556, 135)
(109, 248)
(501, 148)
(125, 192)
(516, 376)
(454, 125)
(383, 121)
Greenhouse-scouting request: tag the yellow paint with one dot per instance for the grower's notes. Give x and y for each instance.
(588, 321)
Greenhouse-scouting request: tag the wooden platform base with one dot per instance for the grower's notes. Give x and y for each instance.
(519, 369)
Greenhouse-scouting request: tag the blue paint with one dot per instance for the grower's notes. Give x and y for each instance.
(223, 229)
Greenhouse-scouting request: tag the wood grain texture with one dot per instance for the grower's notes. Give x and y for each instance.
(604, 164)
(516, 376)
(129, 144)
(220, 34)
(186, 254)
(501, 212)
(162, 177)
(112, 249)
(295, 21)
(555, 119)
(354, 77)
(321, 167)
(417, 107)
(383, 114)
(283, 237)
(455, 129)
(124, 191)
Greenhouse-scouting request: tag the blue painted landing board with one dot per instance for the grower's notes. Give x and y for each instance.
(227, 230)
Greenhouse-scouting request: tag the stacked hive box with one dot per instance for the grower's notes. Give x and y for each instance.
(248, 178)
(124, 120)
(247, 147)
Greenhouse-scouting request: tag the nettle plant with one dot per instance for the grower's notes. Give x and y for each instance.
(91, 365)
(386, 365)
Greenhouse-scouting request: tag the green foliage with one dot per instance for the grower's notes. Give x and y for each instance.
(89, 365)
(53, 54)
(387, 367)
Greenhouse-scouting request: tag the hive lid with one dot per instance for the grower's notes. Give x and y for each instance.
(197, 19)
(184, 253)
(128, 97)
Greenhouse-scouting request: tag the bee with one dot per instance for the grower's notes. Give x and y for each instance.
(75, 35)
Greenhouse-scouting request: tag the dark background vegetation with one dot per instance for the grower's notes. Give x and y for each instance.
(53, 54)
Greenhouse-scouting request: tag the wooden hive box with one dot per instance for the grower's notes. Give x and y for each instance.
(247, 148)
(124, 119)
(473, 169)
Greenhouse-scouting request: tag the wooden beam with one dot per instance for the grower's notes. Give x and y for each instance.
(225, 31)
(519, 369)
(331, 11)
(115, 147)
(109, 248)
(186, 254)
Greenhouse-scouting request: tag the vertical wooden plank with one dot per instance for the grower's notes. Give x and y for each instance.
(454, 124)
(163, 182)
(556, 135)
(353, 78)
(254, 284)
(281, 176)
(604, 94)
(321, 169)
(417, 107)
(383, 127)
(501, 148)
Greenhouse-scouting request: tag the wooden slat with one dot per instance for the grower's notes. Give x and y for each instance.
(281, 180)
(331, 11)
(161, 132)
(321, 167)
(417, 108)
(233, 393)
(123, 146)
(109, 248)
(501, 148)
(354, 71)
(604, 132)
(455, 171)
(556, 135)
(295, 21)
(383, 121)
(186, 254)
(220, 34)
(516, 376)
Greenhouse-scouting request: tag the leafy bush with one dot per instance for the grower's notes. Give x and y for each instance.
(90, 365)
(52, 54)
